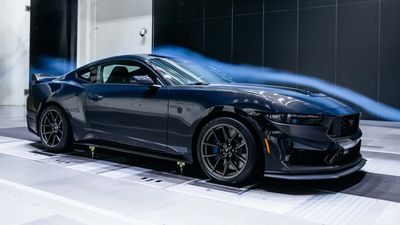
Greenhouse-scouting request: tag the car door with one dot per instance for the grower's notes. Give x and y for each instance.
(128, 106)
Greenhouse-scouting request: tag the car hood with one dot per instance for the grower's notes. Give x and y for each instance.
(292, 100)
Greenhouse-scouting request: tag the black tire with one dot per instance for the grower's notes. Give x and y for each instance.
(54, 129)
(242, 167)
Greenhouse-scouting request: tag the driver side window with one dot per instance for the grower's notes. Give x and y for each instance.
(126, 73)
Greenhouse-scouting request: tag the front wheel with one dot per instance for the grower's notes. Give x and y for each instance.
(227, 151)
(54, 130)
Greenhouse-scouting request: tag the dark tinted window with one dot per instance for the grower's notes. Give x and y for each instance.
(88, 75)
(126, 73)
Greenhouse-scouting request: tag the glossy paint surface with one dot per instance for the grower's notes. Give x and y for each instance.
(165, 118)
(133, 115)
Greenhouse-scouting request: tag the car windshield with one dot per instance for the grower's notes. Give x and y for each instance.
(185, 72)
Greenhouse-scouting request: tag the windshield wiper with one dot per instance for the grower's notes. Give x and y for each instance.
(199, 83)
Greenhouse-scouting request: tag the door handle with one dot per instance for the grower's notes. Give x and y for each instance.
(95, 97)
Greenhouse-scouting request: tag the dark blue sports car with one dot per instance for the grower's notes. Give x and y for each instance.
(179, 110)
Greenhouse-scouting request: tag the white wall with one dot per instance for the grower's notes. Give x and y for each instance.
(111, 27)
(14, 51)
(105, 28)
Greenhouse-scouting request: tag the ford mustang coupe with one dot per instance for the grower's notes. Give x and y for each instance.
(179, 110)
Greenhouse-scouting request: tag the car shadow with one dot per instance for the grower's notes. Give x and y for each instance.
(122, 158)
(273, 185)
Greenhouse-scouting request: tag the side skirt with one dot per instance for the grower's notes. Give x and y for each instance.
(135, 151)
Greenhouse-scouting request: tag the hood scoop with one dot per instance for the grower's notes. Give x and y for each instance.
(309, 92)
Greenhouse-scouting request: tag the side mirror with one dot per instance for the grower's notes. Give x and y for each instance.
(154, 86)
(141, 79)
(144, 80)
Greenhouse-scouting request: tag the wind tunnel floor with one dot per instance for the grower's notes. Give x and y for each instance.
(38, 187)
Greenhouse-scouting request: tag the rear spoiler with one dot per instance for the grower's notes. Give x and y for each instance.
(42, 78)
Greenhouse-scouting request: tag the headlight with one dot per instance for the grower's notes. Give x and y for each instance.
(311, 120)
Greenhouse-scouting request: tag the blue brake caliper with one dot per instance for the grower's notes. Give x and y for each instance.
(215, 150)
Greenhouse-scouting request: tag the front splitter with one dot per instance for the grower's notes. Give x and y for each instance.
(320, 176)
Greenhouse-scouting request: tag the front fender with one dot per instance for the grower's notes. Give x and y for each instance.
(243, 116)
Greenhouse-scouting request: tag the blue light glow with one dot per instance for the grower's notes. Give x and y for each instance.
(254, 74)
(52, 66)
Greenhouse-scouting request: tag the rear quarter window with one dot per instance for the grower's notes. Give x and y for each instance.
(88, 75)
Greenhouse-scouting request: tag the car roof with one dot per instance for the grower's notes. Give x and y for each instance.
(140, 57)
(123, 57)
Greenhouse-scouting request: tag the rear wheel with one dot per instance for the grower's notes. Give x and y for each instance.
(227, 151)
(54, 129)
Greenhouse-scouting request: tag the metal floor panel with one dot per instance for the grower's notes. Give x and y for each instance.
(330, 202)
(117, 188)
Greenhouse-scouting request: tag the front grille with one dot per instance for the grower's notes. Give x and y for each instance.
(323, 158)
(344, 126)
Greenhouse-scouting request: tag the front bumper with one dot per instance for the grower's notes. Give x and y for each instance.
(298, 152)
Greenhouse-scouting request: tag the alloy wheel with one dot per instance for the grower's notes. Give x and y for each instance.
(224, 151)
(51, 128)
